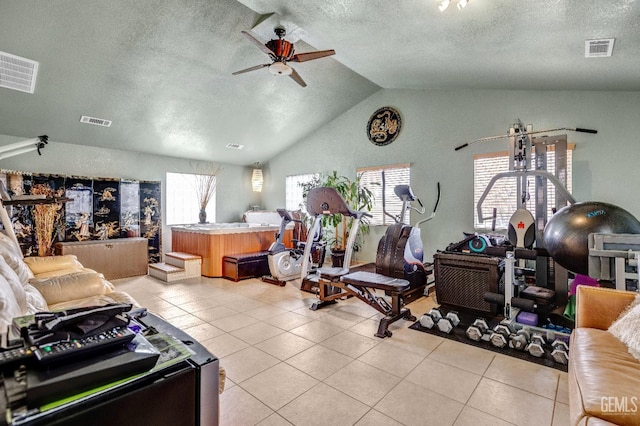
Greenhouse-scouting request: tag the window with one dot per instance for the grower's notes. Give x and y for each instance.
(503, 196)
(293, 194)
(182, 201)
(371, 178)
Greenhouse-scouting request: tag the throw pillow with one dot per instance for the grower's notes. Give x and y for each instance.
(35, 301)
(9, 308)
(15, 284)
(16, 263)
(626, 327)
(8, 244)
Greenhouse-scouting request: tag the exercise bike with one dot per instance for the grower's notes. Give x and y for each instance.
(286, 263)
(400, 251)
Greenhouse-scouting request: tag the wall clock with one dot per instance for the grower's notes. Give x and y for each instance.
(384, 126)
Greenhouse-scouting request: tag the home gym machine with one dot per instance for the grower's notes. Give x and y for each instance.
(521, 328)
(336, 282)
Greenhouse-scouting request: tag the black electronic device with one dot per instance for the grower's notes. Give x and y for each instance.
(12, 357)
(45, 385)
(142, 396)
(76, 348)
(76, 324)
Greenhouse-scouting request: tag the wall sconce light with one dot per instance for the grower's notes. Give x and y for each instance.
(257, 180)
(445, 4)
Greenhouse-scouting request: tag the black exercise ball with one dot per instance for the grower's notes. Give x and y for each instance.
(566, 235)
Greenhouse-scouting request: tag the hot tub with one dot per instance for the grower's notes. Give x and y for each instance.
(213, 241)
(224, 228)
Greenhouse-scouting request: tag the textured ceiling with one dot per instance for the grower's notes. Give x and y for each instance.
(161, 70)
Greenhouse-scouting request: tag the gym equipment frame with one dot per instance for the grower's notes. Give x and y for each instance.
(336, 283)
(611, 255)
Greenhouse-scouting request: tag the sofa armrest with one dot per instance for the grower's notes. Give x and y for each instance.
(39, 265)
(598, 307)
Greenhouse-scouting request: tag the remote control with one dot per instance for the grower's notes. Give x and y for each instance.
(16, 355)
(54, 352)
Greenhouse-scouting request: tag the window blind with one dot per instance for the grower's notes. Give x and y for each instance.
(503, 196)
(371, 178)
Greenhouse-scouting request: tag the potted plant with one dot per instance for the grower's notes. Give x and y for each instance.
(336, 227)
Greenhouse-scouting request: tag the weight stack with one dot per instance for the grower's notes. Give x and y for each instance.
(462, 279)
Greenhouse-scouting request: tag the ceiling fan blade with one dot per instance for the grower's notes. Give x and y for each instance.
(257, 67)
(296, 77)
(309, 56)
(259, 44)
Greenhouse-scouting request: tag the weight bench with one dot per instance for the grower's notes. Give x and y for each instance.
(336, 283)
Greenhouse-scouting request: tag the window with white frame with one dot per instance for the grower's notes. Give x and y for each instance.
(503, 196)
(182, 200)
(371, 178)
(293, 190)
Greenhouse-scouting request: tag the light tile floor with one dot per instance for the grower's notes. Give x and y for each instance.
(289, 365)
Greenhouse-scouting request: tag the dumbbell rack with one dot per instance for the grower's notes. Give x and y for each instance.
(519, 336)
(437, 322)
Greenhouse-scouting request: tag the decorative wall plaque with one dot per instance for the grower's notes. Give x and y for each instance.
(384, 126)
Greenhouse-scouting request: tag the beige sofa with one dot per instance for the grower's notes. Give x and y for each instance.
(604, 378)
(29, 285)
(35, 284)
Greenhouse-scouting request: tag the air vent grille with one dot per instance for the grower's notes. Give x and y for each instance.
(17, 73)
(234, 146)
(95, 121)
(598, 48)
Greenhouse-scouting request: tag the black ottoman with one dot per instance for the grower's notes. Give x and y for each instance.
(237, 267)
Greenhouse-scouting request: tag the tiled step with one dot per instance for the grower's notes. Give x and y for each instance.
(166, 272)
(191, 263)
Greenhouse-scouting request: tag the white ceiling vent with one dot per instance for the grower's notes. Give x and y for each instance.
(95, 121)
(17, 73)
(598, 48)
(234, 146)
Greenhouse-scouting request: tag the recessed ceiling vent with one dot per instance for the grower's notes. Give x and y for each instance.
(17, 73)
(234, 146)
(95, 121)
(598, 48)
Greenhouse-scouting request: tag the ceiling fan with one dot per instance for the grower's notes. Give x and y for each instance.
(281, 51)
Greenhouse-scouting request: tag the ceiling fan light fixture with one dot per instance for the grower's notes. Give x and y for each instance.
(462, 4)
(444, 5)
(280, 68)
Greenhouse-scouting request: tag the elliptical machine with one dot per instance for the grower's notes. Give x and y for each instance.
(286, 263)
(400, 251)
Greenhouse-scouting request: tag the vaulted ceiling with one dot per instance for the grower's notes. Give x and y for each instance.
(161, 70)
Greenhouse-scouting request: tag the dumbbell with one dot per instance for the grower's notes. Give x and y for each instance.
(536, 346)
(560, 352)
(520, 339)
(478, 330)
(431, 318)
(500, 335)
(449, 322)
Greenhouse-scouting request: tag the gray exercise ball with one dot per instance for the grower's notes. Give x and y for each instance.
(566, 235)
